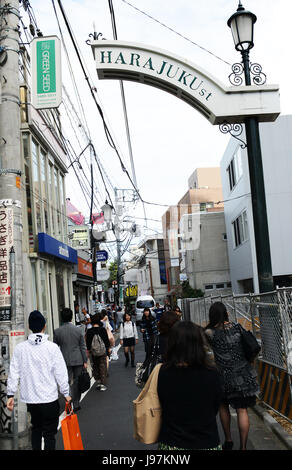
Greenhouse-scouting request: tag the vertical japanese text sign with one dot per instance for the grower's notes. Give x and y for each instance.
(6, 242)
(46, 72)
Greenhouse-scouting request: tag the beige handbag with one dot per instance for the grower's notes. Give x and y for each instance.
(147, 411)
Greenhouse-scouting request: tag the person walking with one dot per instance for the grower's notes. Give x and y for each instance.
(128, 338)
(240, 378)
(158, 310)
(167, 320)
(119, 316)
(149, 329)
(71, 341)
(98, 363)
(188, 422)
(87, 319)
(178, 312)
(167, 305)
(38, 365)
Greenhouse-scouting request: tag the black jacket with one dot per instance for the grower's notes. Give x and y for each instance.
(97, 330)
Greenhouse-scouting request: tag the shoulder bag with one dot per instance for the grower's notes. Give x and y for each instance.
(147, 411)
(84, 381)
(250, 345)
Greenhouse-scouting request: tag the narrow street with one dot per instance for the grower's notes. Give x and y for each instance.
(106, 418)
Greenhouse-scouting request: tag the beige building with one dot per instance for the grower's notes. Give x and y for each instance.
(195, 235)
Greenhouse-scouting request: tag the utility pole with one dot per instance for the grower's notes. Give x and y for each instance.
(151, 281)
(118, 237)
(11, 196)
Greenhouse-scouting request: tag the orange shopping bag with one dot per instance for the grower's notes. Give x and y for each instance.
(70, 430)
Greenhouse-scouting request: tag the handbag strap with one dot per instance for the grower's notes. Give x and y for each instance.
(153, 378)
(68, 407)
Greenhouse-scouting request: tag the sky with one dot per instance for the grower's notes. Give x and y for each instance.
(169, 138)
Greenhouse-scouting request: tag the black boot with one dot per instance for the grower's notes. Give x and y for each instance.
(132, 359)
(127, 359)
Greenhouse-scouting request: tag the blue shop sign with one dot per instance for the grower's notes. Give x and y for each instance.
(53, 247)
(101, 255)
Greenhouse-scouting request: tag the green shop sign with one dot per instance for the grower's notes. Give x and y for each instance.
(46, 69)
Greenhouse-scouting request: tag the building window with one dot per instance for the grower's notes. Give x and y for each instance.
(240, 229)
(36, 185)
(234, 169)
(209, 287)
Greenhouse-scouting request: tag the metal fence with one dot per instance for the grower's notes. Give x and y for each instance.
(268, 315)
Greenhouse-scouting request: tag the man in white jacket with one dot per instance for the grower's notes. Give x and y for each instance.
(39, 366)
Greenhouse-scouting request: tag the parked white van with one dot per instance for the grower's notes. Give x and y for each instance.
(141, 303)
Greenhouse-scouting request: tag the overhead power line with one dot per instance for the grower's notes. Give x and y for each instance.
(175, 32)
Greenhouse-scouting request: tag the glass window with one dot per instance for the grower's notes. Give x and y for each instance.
(60, 290)
(234, 169)
(62, 208)
(44, 190)
(220, 286)
(57, 202)
(52, 198)
(240, 229)
(34, 286)
(43, 272)
(36, 185)
(208, 286)
(145, 304)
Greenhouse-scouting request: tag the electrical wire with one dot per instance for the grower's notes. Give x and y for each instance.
(175, 32)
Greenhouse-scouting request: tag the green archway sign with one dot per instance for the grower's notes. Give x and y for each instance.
(119, 60)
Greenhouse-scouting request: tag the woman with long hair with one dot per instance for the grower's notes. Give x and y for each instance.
(240, 378)
(148, 328)
(190, 390)
(166, 322)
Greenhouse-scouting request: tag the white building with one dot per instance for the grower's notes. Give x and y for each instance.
(276, 144)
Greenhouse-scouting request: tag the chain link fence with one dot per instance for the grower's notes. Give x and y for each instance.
(267, 315)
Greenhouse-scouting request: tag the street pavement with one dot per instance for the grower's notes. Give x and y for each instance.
(106, 418)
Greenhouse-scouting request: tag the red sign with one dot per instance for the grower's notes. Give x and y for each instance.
(98, 218)
(85, 267)
(74, 214)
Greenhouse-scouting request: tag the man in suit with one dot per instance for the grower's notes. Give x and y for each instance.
(71, 341)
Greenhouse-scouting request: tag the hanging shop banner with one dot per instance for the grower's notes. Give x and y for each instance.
(98, 218)
(85, 267)
(101, 255)
(79, 236)
(74, 214)
(6, 243)
(46, 72)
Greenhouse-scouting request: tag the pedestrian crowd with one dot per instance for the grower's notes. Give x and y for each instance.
(202, 371)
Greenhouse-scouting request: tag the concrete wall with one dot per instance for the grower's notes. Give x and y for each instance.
(209, 263)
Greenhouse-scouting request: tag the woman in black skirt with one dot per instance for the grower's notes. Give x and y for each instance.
(239, 376)
(128, 338)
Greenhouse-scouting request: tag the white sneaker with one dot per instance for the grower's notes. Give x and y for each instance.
(102, 388)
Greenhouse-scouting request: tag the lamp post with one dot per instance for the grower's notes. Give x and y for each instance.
(242, 28)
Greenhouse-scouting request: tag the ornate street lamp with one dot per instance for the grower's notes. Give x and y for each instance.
(107, 210)
(241, 24)
(242, 27)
